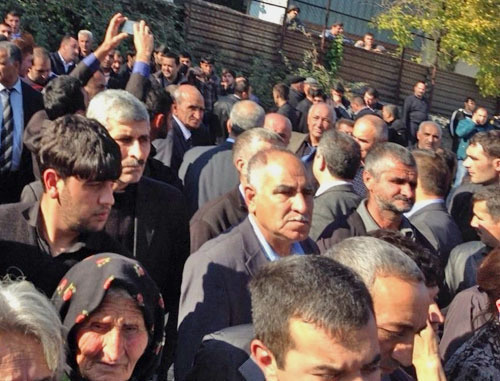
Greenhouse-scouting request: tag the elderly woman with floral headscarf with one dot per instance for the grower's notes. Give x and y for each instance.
(114, 316)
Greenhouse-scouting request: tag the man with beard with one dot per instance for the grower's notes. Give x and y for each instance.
(390, 176)
(38, 73)
(79, 163)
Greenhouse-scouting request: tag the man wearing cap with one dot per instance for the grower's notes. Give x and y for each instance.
(305, 104)
(296, 84)
(292, 20)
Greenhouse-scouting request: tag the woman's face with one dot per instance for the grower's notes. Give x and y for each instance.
(111, 341)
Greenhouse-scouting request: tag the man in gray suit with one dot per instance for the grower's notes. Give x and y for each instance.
(429, 214)
(214, 292)
(335, 165)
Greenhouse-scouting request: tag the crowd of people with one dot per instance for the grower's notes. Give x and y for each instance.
(157, 224)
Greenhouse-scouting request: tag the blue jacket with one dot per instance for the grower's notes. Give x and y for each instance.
(465, 130)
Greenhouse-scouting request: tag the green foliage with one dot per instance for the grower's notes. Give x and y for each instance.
(466, 30)
(49, 20)
(326, 73)
(262, 77)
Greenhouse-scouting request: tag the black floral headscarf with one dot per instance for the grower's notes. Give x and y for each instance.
(83, 288)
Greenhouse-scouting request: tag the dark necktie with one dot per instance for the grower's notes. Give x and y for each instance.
(6, 135)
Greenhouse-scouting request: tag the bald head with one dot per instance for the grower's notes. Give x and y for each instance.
(279, 124)
(189, 106)
(369, 130)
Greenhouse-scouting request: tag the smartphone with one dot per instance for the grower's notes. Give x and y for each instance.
(128, 27)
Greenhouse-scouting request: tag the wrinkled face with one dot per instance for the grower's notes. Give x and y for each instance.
(186, 61)
(96, 84)
(190, 109)
(169, 68)
(282, 199)
(8, 70)
(429, 137)
(316, 355)
(108, 60)
(85, 205)
(40, 70)
(22, 358)
(85, 44)
(337, 29)
(366, 137)
(6, 30)
(319, 120)
(480, 117)
(111, 341)
(370, 100)
(14, 23)
(69, 50)
(419, 90)
(394, 189)
(207, 68)
(400, 315)
(482, 168)
(487, 228)
(133, 139)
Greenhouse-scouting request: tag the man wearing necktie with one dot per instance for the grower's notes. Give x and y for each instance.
(18, 102)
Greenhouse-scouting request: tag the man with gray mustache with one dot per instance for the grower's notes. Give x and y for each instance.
(390, 177)
(214, 293)
(149, 217)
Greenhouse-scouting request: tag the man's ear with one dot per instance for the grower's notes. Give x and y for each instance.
(158, 121)
(264, 359)
(496, 165)
(229, 126)
(50, 179)
(250, 193)
(367, 179)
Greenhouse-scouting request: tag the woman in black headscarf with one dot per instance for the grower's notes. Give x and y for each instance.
(114, 316)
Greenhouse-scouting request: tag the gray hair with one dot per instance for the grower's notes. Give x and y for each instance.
(371, 257)
(376, 158)
(341, 153)
(245, 115)
(246, 145)
(85, 32)
(13, 52)
(392, 110)
(426, 122)
(118, 105)
(25, 310)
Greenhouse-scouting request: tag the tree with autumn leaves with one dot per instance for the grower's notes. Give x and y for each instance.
(459, 29)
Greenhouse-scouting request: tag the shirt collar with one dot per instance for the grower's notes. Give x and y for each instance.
(329, 184)
(185, 131)
(422, 204)
(63, 60)
(268, 250)
(405, 227)
(17, 86)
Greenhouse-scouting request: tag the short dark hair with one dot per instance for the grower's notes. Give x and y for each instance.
(316, 92)
(312, 288)
(208, 60)
(489, 140)
(392, 110)
(226, 70)
(241, 85)
(162, 49)
(130, 53)
(427, 261)
(63, 95)
(341, 153)
(358, 101)
(490, 194)
(433, 172)
(282, 90)
(369, 34)
(157, 101)
(13, 12)
(467, 99)
(185, 54)
(371, 91)
(74, 145)
(342, 121)
(172, 55)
